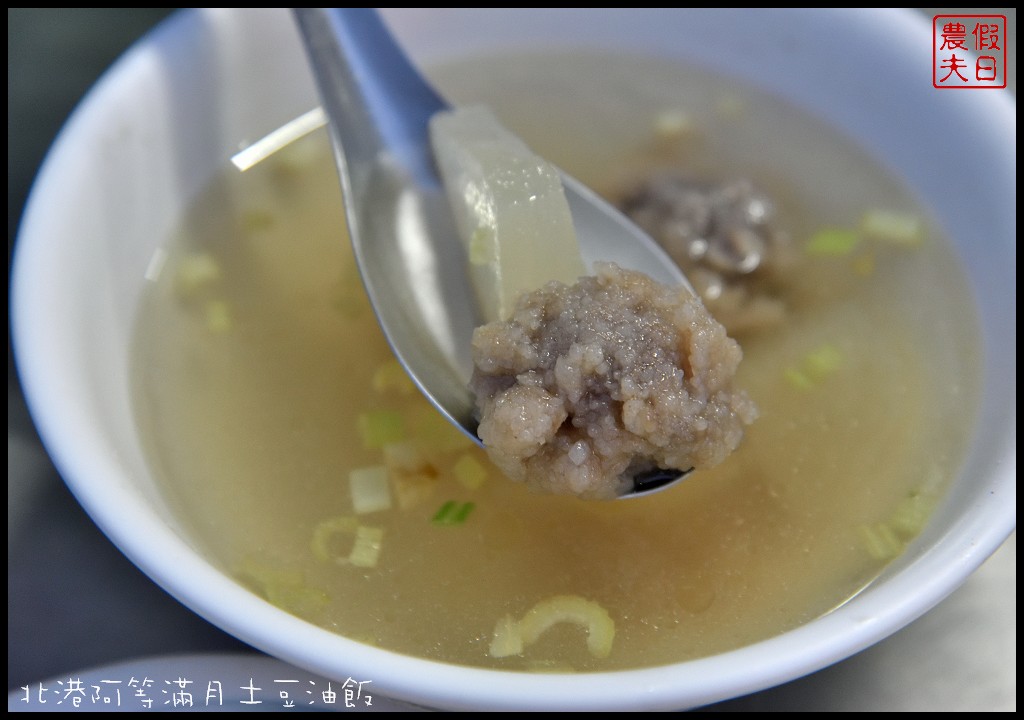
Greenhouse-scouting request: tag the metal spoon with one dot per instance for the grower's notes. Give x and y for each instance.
(407, 249)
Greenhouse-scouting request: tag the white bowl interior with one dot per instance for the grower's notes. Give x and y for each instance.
(155, 130)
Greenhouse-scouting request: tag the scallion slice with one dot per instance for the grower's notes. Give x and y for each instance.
(453, 513)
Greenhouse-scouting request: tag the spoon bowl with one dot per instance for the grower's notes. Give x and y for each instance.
(410, 258)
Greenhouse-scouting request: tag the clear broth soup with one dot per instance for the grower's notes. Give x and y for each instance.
(263, 381)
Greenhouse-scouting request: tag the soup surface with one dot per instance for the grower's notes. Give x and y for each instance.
(266, 393)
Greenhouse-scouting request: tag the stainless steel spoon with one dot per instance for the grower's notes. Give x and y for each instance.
(412, 263)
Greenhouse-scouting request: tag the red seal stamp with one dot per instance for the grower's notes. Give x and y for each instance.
(969, 51)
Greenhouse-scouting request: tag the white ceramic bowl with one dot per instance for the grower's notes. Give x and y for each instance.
(155, 129)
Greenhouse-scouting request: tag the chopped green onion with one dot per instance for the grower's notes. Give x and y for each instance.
(891, 226)
(325, 531)
(380, 427)
(507, 639)
(798, 379)
(482, 247)
(886, 540)
(285, 588)
(833, 242)
(823, 361)
(453, 513)
(462, 513)
(510, 637)
(366, 548)
(881, 541)
(911, 515)
(369, 488)
(470, 472)
(445, 511)
(817, 365)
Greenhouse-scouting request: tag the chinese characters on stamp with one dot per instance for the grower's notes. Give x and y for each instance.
(969, 51)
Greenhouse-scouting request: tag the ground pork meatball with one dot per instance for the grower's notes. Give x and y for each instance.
(587, 385)
(723, 236)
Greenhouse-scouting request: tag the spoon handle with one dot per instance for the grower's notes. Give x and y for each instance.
(399, 220)
(379, 103)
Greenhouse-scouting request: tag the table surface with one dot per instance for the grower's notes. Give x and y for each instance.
(75, 603)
